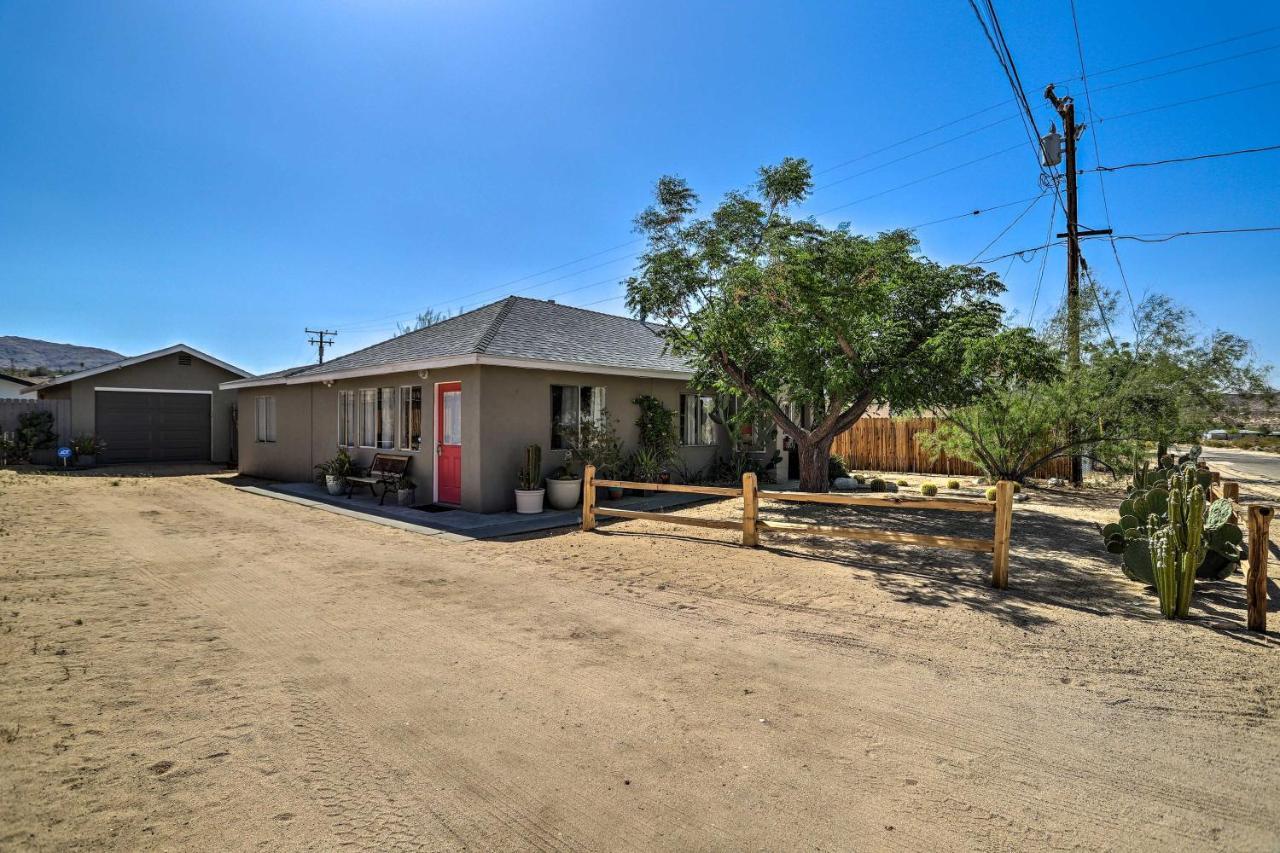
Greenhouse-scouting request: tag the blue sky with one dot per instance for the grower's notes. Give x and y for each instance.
(227, 173)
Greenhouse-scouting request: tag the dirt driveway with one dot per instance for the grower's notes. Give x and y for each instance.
(189, 666)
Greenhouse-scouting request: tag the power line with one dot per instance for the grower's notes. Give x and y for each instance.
(1164, 238)
(1184, 159)
(1141, 238)
(1097, 156)
(1204, 64)
(1044, 263)
(919, 180)
(975, 212)
(1000, 46)
(1181, 103)
(936, 145)
(1009, 227)
(1184, 51)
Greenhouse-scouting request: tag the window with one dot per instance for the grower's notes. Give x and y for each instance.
(451, 417)
(410, 417)
(265, 418)
(377, 418)
(346, 418)
(570, 406)
(696, 425)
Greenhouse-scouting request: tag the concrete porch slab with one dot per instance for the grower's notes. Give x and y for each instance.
(454, 525)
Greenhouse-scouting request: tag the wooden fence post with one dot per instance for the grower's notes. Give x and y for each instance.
(1231, 490)
(1256, 580)
(589, 498)
(1215, 477)
(1004, 528)
(750, 505)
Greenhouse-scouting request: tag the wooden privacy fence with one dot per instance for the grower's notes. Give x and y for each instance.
(892, 444)
(752, 525)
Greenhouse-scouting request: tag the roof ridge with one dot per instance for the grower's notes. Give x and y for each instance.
(482, 345)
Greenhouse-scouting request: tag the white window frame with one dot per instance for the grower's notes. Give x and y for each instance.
(702, 407)
(577, 396)
(379, 440)
(347, 418)
(264, 419)
(404, 421)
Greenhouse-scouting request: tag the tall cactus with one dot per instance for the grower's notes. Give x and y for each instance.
(531, 471)
(1178, 547)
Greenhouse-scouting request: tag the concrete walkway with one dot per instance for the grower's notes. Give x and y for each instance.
(454, 525)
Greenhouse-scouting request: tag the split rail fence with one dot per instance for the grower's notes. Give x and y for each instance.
(751, 525)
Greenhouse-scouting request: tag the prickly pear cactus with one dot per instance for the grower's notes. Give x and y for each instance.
(1130, 537)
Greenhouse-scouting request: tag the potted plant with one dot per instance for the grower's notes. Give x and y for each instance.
(406, 491)
(564, 487)
(86, 448)
(597, 443)
(529, 491)
(334, 472)
(646, 466)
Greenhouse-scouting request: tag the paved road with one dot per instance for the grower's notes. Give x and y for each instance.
(1257, 470)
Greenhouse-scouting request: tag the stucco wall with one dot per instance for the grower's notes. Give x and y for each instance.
(503, 410)
(164, 373)
(516, 410)
(307, 430)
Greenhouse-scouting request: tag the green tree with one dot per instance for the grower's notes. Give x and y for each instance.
(427, 318)
(1165, 386)
(776, 310)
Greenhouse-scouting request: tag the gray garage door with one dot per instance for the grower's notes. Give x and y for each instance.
(148, 427)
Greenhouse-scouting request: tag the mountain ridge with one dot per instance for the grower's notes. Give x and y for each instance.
(33, 354)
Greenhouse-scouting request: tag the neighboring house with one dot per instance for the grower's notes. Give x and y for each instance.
(465, 396)
(164, 406)
(12, 386)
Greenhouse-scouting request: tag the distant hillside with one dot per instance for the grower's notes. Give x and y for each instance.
(1252, 411)
(28, 354)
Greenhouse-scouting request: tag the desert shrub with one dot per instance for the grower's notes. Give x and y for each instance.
(928, 489)
(991, 493)
(1017, 487)
(877, 485)
(953, 484)
(903, 483)
(836, 468)
(860, 478)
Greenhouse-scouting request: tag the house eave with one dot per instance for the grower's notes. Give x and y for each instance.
(461, 361)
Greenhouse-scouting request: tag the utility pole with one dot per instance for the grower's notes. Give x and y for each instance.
(320, 339)
(1067, 110)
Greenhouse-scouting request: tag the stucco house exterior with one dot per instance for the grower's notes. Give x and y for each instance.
(464, 398)
(162, 406)
(12, 386)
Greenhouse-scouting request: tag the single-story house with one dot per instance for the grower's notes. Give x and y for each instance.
(162, 406)
(465, 396)
(12, 386)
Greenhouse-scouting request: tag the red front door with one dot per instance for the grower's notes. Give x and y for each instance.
(449, 443)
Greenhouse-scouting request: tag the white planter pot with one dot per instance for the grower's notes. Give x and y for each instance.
(564, 494)
(335, 485)
(529, 502)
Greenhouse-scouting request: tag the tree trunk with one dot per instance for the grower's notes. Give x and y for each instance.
(815, 455)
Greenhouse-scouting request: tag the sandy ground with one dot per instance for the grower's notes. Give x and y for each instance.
(189, 666)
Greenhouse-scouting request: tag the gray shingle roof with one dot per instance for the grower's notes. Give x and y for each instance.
(521, 328)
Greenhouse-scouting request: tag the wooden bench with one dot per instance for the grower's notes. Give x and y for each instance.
(385, 470)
